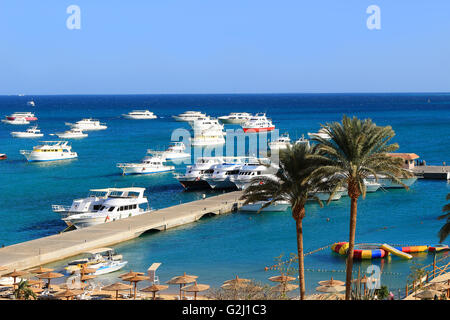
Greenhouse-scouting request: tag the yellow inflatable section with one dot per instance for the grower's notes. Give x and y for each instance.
(392, 250)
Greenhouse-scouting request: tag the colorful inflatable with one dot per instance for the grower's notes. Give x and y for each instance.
(438, 248)
(412, 249)
(395, 251)
(360, 251)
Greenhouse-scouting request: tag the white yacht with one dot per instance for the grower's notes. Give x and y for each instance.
(120, 204)
(104, 260)
(387, 183)
(29, 116)
(236, 118)
(371, 186)
(258, 123)
(281, 143)
(140, 115)
(31, 132)
(50, 151)
(16, 121)
(209, 137)
(324, 195)
(277, 206)
(189, 116)
(88, 125)
(176, 151)
(206, 123)
(92, 203)
(149, 164)
(322, 133)
(193, 176)
(222, 174)
(253, 170)
(71, 134)
(302, 140)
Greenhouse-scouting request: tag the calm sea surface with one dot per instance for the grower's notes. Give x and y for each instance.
(218, 248)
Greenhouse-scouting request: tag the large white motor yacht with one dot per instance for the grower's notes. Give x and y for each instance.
(176, 151)
(324, 195)
(281, 143)
(206, 123)
(371, 186)
(236, 118)
(258, 123)
(31, 132)
(277, 206)
(254, 170)
(209, 137)
(50, 151)
(74, 133)
(387, 183)
(222, 174)
(16, 121)
(120, 204)
(88, 125)
(140, 115)
(92, 203)
(193, 178)
(29, 116)
(189, 116)
(149, 164)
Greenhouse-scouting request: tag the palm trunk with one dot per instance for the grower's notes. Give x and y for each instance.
(351, 246)
(298, 216)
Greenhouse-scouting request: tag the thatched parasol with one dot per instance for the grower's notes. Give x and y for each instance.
(36, 290)
(135, 280)
(40, 269)
(282, 278)
(74, 285)
(14, 275)
(131, 274)
(3, 268)
(49, 276)
(195, 288)
(333, 289)
(428, 294)
(33, 282)
(118, 286)
(181, 280)
(68, 294)
(154, 288)
(237, 280)
(331, 283)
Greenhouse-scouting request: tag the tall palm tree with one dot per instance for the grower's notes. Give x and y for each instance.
(356, 150)
(445, 230)
(291, 184)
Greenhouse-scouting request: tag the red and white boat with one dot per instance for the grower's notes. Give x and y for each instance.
(27, 115)
(3, 156)
(258, 123)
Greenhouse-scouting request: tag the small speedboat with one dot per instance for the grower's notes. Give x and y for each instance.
(71, 134)
(32, 132)
(104, 260)
(3, 156)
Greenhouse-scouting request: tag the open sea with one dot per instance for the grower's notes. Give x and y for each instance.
(218, 248)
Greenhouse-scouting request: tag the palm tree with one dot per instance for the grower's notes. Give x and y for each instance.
(23, 291)
(445, 230)
(291, 184)
(356, 150)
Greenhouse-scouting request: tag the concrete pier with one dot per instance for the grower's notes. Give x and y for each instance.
(433, 172)
(56, 247)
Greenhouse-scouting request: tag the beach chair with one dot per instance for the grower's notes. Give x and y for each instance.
(154, 279)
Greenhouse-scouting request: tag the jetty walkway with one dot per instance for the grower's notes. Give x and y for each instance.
(433, 172)
(56, 247)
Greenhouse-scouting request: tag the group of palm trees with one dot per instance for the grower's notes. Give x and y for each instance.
(356, 150)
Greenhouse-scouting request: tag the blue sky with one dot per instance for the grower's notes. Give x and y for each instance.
(233, 46)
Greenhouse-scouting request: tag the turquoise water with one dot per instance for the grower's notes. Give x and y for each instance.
(218, 248)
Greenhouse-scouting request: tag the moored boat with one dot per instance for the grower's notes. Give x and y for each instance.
(140, 115)
(32, 132)
(258, 123)
(50, 151)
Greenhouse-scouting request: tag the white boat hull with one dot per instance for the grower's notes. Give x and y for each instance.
(71, 136)
(84, 220)
(47, 156)
(275, 207)
(26, 135)
(389, 184)
(127, 116)
(127, 170)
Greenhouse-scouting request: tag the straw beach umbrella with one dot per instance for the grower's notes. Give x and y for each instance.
(14, 275)
(181, 280)
(333, 289)
(49, 276)
(3, 268)
(118, 286)
(33, 282)
(237, 280)
(195, 288)
(331, 283)
(282, 278)
(40, 270)
(135, 280)
(155, 288)
(68, 294)
(428, 294)
(131, 274)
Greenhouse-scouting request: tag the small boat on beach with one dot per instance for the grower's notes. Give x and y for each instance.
(140, 115)
(104, 260)
(31, 132)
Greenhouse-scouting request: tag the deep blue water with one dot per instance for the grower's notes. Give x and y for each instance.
(218, 248)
